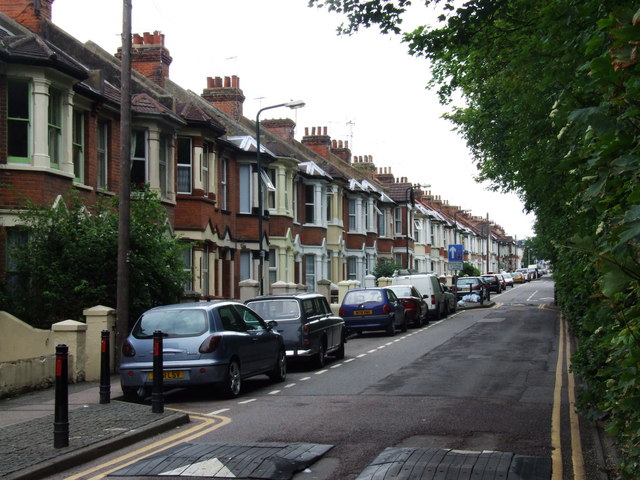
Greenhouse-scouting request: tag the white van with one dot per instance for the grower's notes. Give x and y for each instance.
(429, 287)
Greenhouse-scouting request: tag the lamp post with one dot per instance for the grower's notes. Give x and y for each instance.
(406, 200)
(292, 104)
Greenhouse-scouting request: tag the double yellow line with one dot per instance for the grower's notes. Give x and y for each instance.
(207, 423)
(577, 459)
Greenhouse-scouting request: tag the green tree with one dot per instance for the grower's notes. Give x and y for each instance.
(385, 268)
(468, 270)
(550, 111)
(69, 261)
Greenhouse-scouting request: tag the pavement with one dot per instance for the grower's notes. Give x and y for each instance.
(27, 429)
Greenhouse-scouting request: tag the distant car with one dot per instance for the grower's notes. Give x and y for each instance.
(416, 309)
(377, 308)
(518, 277)
(216, 343)
(493, 281)
(507, 278)
(470, 285)
(308, 327)
(528, 276)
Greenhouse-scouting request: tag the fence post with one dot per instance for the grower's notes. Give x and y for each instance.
(157, 397)
(61, 417)
(105, 374)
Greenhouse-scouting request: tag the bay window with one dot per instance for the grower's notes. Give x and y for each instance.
(18, 120)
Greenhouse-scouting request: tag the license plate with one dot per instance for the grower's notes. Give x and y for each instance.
(362, 312)
(169, 375)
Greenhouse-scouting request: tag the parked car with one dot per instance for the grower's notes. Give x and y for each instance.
(528, 276)
(218, 343)
(306, 323)
(429, 287)
(450, 300)
(415, 308)
(493, 281)
(508, 279)
(470, 285)
(518, 277)
(375, 308)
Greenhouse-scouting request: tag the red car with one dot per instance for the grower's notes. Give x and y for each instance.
(415, 307)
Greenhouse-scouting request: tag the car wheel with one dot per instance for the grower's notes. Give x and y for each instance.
(233, 380)
(339, 353)
(391, 328)
(320, 358)
(405, 324)
(279, 372)
(130, 394)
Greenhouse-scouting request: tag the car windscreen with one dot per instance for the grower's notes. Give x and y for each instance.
(467, 281)
(401, 291)
(362, 296)
(276, 309)
(172, 323)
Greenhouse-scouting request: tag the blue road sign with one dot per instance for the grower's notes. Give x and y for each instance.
(456, 253)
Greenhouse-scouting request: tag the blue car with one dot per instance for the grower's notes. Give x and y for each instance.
(216, 343)
(373, 309)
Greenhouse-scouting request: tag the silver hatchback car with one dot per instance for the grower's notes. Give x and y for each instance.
(215, 343)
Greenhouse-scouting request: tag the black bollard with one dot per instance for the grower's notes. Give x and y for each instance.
(61, 417)
(157, 396)
(105, 374)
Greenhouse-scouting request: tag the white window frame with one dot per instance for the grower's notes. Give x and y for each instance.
(102, 145)
(134, 146)
(205, 270)
(185, 169)
(54, 127)
(310, 271)
(273, 265)
(246, 265)
(224, 185)
(397, 221)
(187, 262)
(77, 139)
(310, 206)
(245, 188)
(22, 122)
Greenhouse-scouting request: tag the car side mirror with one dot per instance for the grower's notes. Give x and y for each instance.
(272, 324)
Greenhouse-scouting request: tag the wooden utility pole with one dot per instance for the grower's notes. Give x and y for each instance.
(122, 288)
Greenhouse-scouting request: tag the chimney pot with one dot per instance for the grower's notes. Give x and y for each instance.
(324, 132)
(227, 82)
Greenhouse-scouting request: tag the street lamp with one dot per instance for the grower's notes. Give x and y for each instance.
(292, 104)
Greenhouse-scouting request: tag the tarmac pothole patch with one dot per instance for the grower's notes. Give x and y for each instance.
(276, 461)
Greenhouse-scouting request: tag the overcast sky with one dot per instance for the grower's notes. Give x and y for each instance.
(365, 89)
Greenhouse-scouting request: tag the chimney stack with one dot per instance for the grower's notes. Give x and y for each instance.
(225, 95)
(30, 13)
(319, 141)
(284, 128)
(149, 56)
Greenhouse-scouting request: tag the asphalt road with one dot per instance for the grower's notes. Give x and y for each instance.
(482, 379)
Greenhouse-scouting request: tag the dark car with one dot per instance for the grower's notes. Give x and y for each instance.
(216, 343)
(308, 327)
(470, 285)
(495, 285)
(373, 309)
(416, 309)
